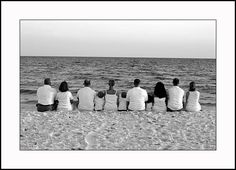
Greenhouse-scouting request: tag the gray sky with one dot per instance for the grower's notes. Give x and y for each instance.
(135, 38)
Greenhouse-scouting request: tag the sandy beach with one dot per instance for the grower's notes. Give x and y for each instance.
(142, 130)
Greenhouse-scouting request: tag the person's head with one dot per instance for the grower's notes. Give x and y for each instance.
(160, 90)
(192, 86)
(111, 83)
(136, 82)
(47, 81)
(150, 98)
(63, 87)
(100, 94)
(87, 83)
(175, 82)
(123, 94)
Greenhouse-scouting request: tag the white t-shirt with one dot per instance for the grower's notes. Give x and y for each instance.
(64, 100)
(99, 103)
(86, 97)
(192, 104)
(122, 103)
(159, 104)
(110, 102)
(46, 95)
(175, 98)
(136, 98)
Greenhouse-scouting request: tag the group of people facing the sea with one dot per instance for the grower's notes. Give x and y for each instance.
(135, 99)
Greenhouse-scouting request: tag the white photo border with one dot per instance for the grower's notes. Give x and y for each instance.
(223, 12)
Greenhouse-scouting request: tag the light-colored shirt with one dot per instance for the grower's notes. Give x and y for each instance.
(159, 104)
(192, 104)
(86, 97)
(46, 95)
(136, 98)
(64, 100)
(110, 102)
(122, 103)
(175, 98)
(149, 106)
(99, 103)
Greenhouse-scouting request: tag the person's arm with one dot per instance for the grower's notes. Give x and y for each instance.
(71, 98)
(127, 100)
(187, 94)
(77, 96)
(167, 96)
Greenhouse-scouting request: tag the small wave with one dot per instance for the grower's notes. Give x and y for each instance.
(208, 104)
(30, 102)
(28, 91)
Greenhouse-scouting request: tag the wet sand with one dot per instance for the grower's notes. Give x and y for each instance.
(144, 130)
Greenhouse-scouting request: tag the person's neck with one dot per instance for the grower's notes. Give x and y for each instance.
(136, 86)
(111, 88)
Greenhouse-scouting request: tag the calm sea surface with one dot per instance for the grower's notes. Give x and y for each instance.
(33, 70)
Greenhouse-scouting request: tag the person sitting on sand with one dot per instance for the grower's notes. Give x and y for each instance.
(111, 97)
(192, 99)
(86, 97)
(136, 97)
(99, 101)
(46, 97)
(160, 98)
(149, 102)
(64, 97)
(122, 106)
(175, 97)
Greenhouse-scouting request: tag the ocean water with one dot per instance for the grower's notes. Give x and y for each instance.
(33, 70)
(145, 130)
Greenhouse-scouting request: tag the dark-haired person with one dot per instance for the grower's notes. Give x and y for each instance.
(160, 98)
(64, 97)
(46, 97)
(175, 97)
(86, 97)
(192, 99)
(111, 97)
(136, 97)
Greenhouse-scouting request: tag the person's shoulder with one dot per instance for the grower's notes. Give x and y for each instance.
(143, 90)
(130, 90)
(68, 92)
(54, 90)
(181, 89)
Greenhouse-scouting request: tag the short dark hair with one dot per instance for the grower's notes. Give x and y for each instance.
(100, 94)
(123, 94)
(63, 87)
(175, 81)
(136, 82)
(111, 82)
(47, 81)
(87, 82)
(192, 86)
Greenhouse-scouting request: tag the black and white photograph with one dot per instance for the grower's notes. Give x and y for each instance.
(118, 84)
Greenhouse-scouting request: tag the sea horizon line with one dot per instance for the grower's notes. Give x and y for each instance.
(119, 57)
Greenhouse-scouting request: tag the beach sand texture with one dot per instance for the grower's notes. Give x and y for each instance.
(138, 130)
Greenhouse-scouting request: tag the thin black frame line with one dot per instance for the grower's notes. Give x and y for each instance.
(134, 20)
